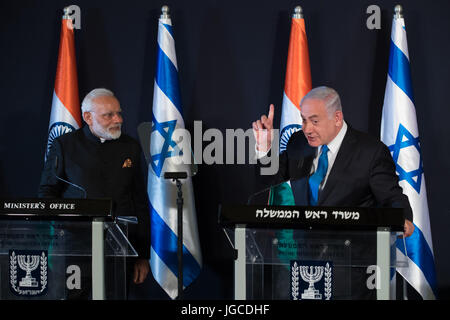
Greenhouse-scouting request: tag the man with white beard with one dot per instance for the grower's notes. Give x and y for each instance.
(107, 164)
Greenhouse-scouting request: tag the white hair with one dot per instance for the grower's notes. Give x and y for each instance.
(86, 105)
(327, 95)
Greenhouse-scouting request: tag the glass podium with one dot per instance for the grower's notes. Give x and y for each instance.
(296, 257)
(63, 255)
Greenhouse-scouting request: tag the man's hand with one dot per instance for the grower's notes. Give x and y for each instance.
(408, 228)
(141, 269)
(262, 130)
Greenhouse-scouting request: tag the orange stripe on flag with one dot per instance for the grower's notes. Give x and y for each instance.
(66, 82)
(298, 72)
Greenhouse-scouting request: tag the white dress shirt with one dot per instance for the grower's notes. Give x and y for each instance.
(333, 147)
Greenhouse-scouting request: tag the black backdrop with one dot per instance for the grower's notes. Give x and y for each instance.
(231, 59)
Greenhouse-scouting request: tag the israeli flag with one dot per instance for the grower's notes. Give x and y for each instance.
(400, 133)
(166, 154)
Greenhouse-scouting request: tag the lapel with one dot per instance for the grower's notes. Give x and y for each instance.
(343, 157)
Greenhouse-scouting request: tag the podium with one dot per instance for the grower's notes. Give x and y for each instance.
(58, 249)
(305, 253)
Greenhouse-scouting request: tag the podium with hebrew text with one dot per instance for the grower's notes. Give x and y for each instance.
(58, 249)
(313, 253)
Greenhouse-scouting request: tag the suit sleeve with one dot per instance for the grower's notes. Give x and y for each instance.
(50, 186)
(384, 182)
(293, 163)
(280, 175)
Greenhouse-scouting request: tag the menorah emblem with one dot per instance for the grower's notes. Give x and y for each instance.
(28, 264)
(31, 267)
(314, 274)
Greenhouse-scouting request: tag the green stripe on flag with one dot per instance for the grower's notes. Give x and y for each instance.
(281, 195)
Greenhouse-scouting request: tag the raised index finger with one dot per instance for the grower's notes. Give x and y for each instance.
(271, 113)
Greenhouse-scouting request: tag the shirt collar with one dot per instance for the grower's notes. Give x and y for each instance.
(335, 144)
(91, 136)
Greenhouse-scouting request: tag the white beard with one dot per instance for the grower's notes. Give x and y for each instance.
(105, 133)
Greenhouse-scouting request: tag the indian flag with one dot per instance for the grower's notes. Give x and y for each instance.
(297, 84)
(65, 115)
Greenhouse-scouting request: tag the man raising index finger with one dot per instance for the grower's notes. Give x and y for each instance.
(262, 130)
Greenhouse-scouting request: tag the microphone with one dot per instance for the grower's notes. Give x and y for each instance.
(68, 182)
(175, 175)
(264, 190)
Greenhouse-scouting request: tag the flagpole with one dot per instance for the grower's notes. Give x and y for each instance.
(398, 14)
(176, 176)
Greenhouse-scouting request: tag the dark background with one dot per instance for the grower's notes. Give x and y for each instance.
(231, 60)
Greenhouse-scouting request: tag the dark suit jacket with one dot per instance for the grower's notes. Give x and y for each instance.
(99, 169)
(363, 174)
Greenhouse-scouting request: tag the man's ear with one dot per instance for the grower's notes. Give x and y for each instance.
(339, 117)
(87, 117)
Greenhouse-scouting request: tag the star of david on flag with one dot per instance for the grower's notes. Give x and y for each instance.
(169, 147)
(399, 131)
(166, 155)
(405, 140)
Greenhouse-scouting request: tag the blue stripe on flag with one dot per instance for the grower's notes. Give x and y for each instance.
(399, 70)
(164, 243)
(168, 28)
(167, 78)
(420, 253)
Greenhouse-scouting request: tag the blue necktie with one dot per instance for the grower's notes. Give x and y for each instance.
(316, 179)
